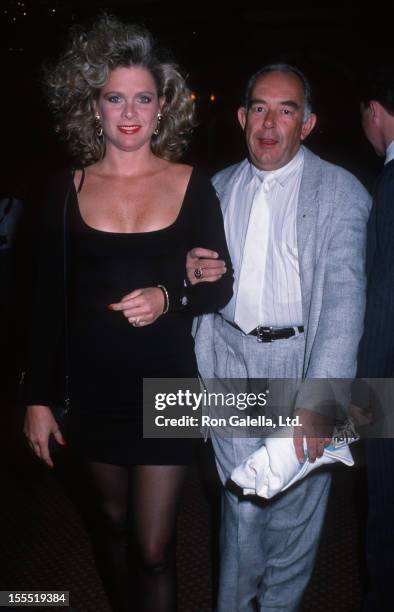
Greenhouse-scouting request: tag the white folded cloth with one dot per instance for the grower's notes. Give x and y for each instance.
(274, 467)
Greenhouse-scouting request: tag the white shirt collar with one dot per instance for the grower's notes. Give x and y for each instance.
(281, 175)
(389, 152)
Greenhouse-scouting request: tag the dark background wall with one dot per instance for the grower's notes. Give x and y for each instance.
(218, 47)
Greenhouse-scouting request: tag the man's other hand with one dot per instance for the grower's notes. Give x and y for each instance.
(317, 430)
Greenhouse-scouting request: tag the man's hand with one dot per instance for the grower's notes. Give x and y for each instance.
(142, 306)
(39, 425)
(361, 416)
(204, 265)
(317, 429)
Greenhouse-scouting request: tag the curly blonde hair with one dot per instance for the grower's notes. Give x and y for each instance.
(74, 83)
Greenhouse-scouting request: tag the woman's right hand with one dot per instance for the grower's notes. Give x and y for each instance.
(39, 425)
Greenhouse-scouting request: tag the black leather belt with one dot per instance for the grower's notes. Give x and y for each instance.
(269, 334)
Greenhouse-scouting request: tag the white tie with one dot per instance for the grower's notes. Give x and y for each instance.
(251, 278)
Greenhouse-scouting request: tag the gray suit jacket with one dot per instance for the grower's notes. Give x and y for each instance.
(332, 214)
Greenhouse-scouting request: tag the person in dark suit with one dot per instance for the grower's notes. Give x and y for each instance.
(376, 353)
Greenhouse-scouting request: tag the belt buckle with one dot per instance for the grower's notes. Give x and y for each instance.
(261, 330)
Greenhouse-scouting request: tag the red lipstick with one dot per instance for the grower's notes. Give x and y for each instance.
(129, 130)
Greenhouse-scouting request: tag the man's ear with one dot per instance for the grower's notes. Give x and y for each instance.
(308, 126)
(242, 113)
(374, 108)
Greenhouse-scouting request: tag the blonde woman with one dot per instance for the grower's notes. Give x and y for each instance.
(132, 215)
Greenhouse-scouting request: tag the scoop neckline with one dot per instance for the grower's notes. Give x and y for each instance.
(147, 233)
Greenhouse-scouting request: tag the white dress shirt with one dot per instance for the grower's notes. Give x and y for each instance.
(389, 152)
(281, 304)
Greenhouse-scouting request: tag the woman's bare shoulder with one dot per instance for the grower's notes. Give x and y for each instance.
(179, 173)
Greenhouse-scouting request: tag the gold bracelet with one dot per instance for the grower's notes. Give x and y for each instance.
(166, 298)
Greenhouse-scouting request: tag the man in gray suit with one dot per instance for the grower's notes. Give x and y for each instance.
(295, 227)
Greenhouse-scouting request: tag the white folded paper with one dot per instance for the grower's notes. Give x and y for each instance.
(274, 467)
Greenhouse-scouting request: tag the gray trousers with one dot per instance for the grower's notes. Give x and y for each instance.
(267, 548)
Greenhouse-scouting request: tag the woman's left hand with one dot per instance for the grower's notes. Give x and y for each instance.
(142, 306)
(204, 266)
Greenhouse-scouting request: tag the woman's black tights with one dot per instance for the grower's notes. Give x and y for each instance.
(135, 533)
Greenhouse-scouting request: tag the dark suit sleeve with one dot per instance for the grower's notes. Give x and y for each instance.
(208, 232)
(376, 354)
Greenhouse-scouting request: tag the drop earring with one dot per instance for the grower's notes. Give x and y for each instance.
(99, 127)
(159, 118)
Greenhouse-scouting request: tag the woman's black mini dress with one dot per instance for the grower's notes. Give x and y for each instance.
(108, 357)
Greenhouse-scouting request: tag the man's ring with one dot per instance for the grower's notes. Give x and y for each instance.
(136, 322)
(198, 273)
